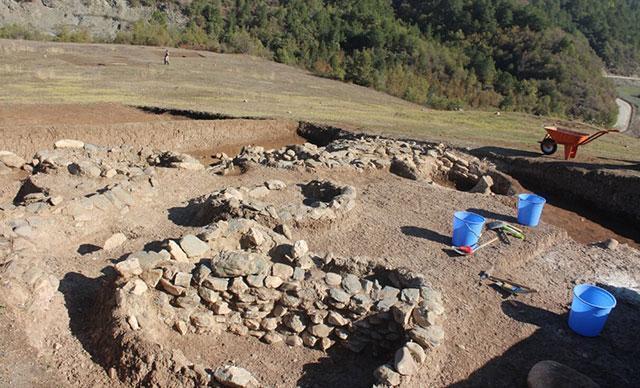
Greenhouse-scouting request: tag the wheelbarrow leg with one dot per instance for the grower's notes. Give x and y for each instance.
(570, 151)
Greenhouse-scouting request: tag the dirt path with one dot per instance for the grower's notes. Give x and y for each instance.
(624, 115)
(622, 77)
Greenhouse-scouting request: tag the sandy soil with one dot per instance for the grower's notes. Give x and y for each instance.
(490, 340)
(26, 133)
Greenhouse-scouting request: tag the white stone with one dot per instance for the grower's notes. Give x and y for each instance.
(334, 318)
(320, 330)
(68, 143)
(139, 287)
(233, 376)
(181, 327)
(182, 279)
(300, 249)
(11, 160)
(269, 324)
(259, 192)
(110, 173)
(417, 352)
(133, 322)
(238, 286)
(404, 362)
(333, 279)
(275, 184)
(114, 241)
(176, 252)
(193, 246)
(221, 308)
(129, 267)
(272, 282)
(283, 271)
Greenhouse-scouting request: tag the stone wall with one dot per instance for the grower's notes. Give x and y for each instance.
(277, 291)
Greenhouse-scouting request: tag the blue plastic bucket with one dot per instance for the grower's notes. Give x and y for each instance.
(590, 309)
(530, 209)
(467, 228)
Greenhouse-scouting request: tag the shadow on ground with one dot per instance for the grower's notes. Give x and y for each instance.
(85, 249)
(352, 363)
(427, 234)
(188, 215)
(87, 301)
(340, 367)
(489, 215)
(623, 164)
(610, 360)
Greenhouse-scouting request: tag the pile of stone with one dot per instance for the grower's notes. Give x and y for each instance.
(242, 277)
(408, 159)
(115, 198)
(88, 160)
(327, 199)
(173, 159)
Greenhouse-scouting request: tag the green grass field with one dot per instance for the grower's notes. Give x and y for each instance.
(238, 85)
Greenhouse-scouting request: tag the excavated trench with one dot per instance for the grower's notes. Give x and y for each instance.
(592, 203)
(111, 343)
(597, 205)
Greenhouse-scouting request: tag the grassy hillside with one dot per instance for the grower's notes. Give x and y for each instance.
(443, 54)
(239, 85)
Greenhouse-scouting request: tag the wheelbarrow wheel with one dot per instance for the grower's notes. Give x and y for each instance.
(548, 146)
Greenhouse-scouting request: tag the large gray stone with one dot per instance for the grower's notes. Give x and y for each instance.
(386, 375)
(321, 330)
(552, 374)
(193, 246)
(339, 295)
(240, 263)
(294, 322)
(483, 186)
(351, 284)
(404, 362)
(429, 337)
(235, 377)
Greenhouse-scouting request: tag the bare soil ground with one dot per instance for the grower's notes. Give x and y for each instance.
(490, 340)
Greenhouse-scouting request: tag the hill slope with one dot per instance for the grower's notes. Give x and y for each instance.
(240, 85)
(491, 54)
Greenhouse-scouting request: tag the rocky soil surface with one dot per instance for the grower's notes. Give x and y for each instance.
(302, 265)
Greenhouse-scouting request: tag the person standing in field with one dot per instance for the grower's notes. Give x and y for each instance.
(166, 57)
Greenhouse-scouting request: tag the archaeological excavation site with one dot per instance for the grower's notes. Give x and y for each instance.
(145, 246)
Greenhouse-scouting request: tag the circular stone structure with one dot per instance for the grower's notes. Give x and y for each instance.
(241, 277)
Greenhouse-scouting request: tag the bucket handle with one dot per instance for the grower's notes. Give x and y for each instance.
(471, 230)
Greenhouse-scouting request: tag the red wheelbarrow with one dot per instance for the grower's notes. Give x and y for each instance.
(569, 139)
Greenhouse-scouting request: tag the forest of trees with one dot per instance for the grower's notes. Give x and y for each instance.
(542, 56)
